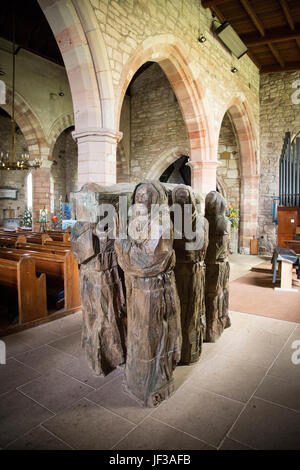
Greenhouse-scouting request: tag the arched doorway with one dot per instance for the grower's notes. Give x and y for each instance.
(229, 173)
(154, 131)
(64, 169)
(178, 172)
(244, 169)
(12, 211)
(170, 55)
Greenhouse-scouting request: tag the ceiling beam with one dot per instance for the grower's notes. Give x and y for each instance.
(258, 24)
(219, 15)
(253, 16)
(276, 55)
(279, 35)
(254, 59)
(289, 18)
(287, 14)
(212, 3)
(288, 67)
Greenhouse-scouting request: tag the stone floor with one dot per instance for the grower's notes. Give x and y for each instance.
(241, 264)
(243, 394)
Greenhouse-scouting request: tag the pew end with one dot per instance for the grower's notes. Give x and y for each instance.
(32, 298)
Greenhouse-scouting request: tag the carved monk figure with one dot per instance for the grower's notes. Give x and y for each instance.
(190, 272)
(217, 267)
(153, 308)
(102, 298)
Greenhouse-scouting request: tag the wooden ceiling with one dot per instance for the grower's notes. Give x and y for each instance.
(269, 28)
(33, 32)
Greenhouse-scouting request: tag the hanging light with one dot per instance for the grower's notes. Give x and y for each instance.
(9, 160)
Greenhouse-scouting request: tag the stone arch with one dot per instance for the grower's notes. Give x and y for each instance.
(295, 133)
(83, 50)
(163, 162)
(82, 47)
(63, 122)
(242, 121)
(38, 147)
(171, 55)
(29, 124)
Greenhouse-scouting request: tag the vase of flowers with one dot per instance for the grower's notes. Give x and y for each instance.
(232, 214)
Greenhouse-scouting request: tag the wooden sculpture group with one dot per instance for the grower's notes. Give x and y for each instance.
(150, 302)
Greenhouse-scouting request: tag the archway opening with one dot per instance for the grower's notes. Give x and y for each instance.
(43, 101)
(64, 170)
(12, 210)
(229, 174)
(153, 129)
(178, 172)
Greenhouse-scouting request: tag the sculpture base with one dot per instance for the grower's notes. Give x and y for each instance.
(217, 300)
(156, 398)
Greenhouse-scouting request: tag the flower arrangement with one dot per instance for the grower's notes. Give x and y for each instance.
(232, 214)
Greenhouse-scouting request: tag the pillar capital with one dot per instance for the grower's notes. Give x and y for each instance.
(97, 155)
(204, 175)
(97, 135)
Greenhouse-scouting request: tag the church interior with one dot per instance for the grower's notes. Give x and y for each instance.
(122, 344)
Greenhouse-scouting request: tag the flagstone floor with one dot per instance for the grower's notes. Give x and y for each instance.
(244, 393)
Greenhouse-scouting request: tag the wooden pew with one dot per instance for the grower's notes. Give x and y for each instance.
(21, 274)
(43, 248)
(59, 236)
(36, 237)
(7, 241)
(61, 265)
(51, 243)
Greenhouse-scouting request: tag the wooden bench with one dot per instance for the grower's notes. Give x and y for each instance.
(61, 266)
(43, 248)
(39, 238)
(21, 275)
(8, 241)
(58, 236)
(51, 243)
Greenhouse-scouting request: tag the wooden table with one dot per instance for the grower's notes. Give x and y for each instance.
(286, 258)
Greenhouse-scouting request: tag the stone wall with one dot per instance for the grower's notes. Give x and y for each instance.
(13, 179)
(125, 24)
(153, 125)
(137, 31)
(277, 116)
(38, 83)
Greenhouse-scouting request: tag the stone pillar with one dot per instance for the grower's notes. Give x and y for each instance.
(41, 192)
(204, 176)
(97, 155)
(248, 210)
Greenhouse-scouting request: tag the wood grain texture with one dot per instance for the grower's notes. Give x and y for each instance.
(30, 288)
(102, 299)
(190, 276)
(217, 267)
(153, 306)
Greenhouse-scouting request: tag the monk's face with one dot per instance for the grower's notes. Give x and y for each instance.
(144, 195)
(182, 196)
